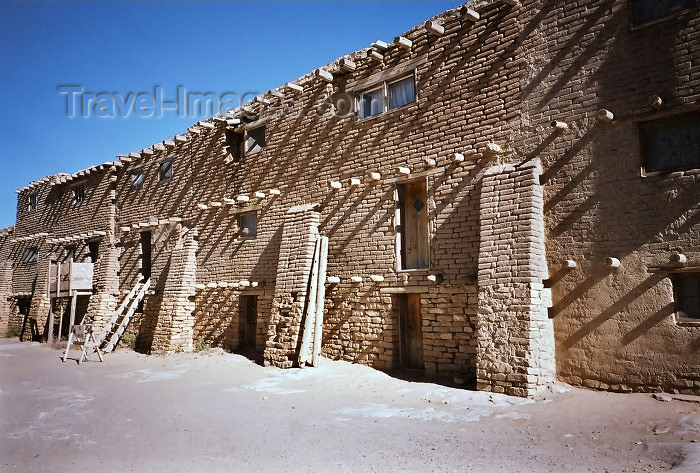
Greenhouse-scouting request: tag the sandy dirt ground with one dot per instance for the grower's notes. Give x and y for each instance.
(217, 412)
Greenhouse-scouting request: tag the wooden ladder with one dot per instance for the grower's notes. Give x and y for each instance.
(129, 304)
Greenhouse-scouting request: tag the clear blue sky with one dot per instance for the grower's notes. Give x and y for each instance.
(130, 47)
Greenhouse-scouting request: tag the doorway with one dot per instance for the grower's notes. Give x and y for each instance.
(410, 331)
(248, 321)
(145, 256)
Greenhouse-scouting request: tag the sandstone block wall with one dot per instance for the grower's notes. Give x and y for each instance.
(615, 328)
(508, 198)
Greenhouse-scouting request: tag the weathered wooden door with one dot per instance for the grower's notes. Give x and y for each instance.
(248, 320)
(410, 331)
(413, 208)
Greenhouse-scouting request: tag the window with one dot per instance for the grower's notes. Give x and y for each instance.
(248, 224)
(254, 139)
(412, 225)
(30, 255)
(686, 293)
(671, 144)
(79, 193)
(388, 96)
(137, 178)
(69, 254)
(165, 170)
(371, 103)
(645, 11)
(401, 92)
(32, 201)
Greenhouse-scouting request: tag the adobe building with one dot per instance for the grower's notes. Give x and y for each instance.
(509, 192)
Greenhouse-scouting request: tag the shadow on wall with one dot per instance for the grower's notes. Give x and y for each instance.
(621, 304)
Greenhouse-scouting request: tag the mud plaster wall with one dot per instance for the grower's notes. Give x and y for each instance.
(615, 329)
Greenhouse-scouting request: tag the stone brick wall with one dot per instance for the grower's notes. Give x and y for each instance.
(516, 338)
(508, 199)
(615, 328)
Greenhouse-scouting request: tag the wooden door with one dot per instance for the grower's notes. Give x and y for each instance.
(413, 204)
(410, 331)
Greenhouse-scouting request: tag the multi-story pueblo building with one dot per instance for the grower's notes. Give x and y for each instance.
(509, 192)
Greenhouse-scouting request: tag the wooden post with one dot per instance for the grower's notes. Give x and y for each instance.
(320, 299)
(305, 351)
(73, 304)
(49, 336)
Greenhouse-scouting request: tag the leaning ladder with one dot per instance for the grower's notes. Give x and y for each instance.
(130, 303)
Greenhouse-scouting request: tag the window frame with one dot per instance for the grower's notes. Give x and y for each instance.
(79, 194)
(643, 130)
(137, 172)
(239, 222)
(30, 255)
(165, 176)
(33, 201)
(247, 136)
(384, 87)
(678, 304)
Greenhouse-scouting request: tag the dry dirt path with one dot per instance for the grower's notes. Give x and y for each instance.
(214, 411)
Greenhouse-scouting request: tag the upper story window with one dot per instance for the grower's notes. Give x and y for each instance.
(32, 201)
(671, 144)
(248, 224)
(254, 139)
(646, 11)
(137, 178)
(165, 170)
(69, 254)
(30, 255)
(387, 96)
(686, 294)
(79, 193)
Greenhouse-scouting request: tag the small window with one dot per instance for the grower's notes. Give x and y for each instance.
(686, 293)
(32, 201)
(69, 255)
(30, 255)
(79, 193)
(387, 96)
(371, 103)
(165, 170)
(137, 178)
(671, 144)
(254, 139)
(401, 92)
(412, 225)
(248, 225)
(646, 11)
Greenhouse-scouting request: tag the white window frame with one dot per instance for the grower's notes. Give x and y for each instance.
(384, 87)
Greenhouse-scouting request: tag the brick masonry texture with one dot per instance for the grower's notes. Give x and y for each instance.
(497, 305)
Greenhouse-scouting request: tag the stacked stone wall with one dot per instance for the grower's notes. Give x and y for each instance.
(616, 328)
